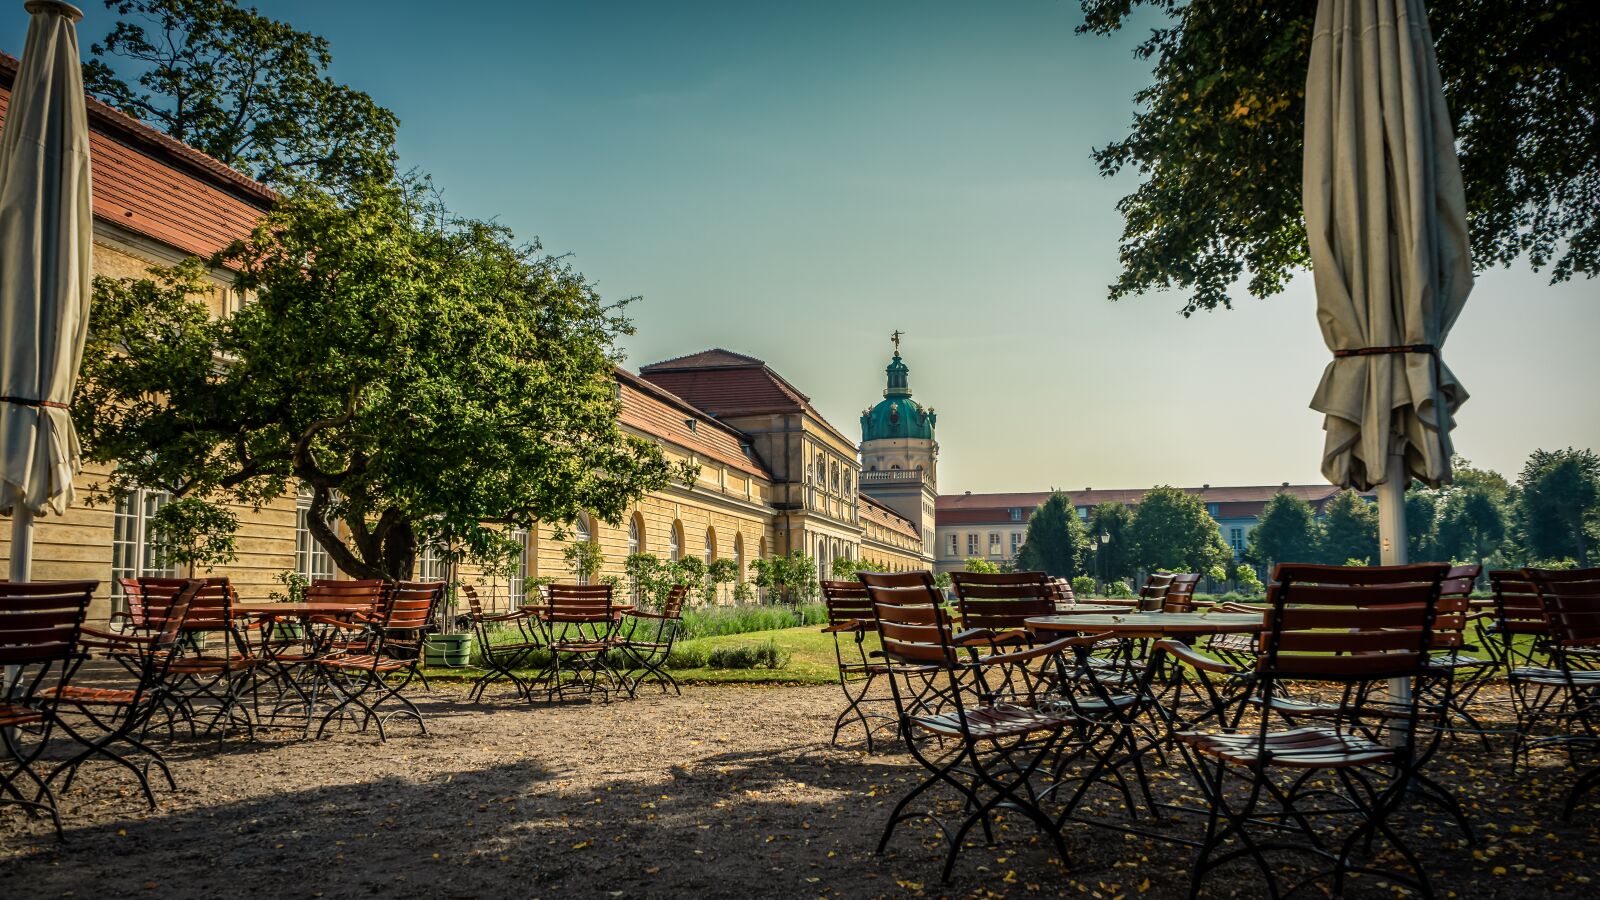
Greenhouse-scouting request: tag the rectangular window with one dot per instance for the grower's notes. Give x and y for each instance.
(133, 549)
(955, 546)
(310, 559)
(994, 543)
(1016, 542)
(1236, 540)
(517, 589)
(430, 564)
(1016, 514)
(972, 545)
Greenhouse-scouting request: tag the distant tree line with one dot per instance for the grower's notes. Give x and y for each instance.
(1550, 516)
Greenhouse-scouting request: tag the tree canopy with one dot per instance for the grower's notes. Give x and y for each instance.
(1171, 530)
(1287, 532)
(248, 90)
(1115, 556)
(1559, 504)
(419, 375)
(1349, 529)
(1217, 139)
(1056, 543)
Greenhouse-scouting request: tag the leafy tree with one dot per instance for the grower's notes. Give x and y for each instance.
(1422, 513)
(250, 91)
(1056, 543)
(1218, 136)
(718, 573)
(192, 533)
(584, 560)
(981, 566)
(1287, 532)
(1349, 529)
(652, 579)
(1559, 503)
(1172, 531)
(1083, 586)
(845, 568)
(942, 581)
(1249, 582)
(1114, 558)
(792, 578)
(420, 375)
(1472, 524)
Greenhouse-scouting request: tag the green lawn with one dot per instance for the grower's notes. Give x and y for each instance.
(811, 659)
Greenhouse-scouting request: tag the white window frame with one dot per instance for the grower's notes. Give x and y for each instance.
(311, 560)
(133, 552)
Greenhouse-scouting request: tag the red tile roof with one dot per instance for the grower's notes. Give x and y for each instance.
(157, 187)
(659, 413)
(875, 512)
(726, 384)
(972, 509)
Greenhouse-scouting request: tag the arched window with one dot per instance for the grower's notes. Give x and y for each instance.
(582, 532)
(635, 534)
(738, 556)
(675, 542)
(711, 546)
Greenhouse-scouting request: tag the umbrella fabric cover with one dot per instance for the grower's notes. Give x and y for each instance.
(45, 242)
(1386, 219)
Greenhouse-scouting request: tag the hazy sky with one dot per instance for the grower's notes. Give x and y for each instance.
(795, 181)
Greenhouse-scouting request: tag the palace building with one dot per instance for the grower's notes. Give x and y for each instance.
(774, 475)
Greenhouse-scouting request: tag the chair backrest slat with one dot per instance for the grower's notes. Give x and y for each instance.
(1154, 592)
(1518, 607)
(412, 604)
(847, 601)
(912, 627)
(1349, 623)
(1003, 601)
(577, 602)
(1572, 601)
(41, 621)
(210, 610)
(1180, 593)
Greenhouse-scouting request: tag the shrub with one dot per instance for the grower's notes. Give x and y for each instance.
(1083, 586)
(767, 655)
(686, 658)
(714, 621)
(1116, 587)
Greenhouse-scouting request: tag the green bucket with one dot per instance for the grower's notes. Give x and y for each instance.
(453, 651)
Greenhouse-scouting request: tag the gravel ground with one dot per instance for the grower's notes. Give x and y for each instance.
(727, 791)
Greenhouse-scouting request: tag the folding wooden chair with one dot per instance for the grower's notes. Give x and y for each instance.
(501, 657)
(1154, 592)
(849, 622)
(122, 715)
(40, 624)
(1354, 628)
(989, 753)
(363, 666)
(579, 627)
(1564, 696)
(220, 672)
(1180, 593)
(646, 641)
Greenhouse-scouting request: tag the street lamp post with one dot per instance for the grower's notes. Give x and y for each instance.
(1099, 555)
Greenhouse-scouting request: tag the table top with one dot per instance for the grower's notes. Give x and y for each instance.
(1150, 623)
(315, 608)
(1085, 609)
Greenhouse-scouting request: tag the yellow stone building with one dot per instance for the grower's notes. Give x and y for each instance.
(774, 475)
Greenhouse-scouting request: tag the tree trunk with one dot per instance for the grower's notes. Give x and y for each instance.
(400, 552)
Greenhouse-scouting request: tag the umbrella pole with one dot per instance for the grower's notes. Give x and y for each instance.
(1392, 540)
(21, 568)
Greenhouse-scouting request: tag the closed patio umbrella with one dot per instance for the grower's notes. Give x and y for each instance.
(1386, 218)
(45, 240)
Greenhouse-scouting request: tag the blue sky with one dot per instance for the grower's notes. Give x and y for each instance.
(795, 181)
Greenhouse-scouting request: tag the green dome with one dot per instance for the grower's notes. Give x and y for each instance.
(897, 416)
